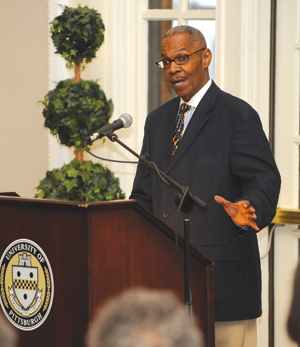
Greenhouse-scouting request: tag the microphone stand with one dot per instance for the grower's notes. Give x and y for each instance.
(187, 206)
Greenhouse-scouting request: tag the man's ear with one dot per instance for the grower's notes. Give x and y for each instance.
(207, 56)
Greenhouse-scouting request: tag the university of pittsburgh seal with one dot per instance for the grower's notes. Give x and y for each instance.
(26, 284)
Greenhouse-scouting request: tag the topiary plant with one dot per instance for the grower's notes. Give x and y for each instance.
(75, 109)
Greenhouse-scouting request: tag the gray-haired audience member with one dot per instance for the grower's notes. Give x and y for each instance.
(8, 333)
(293, 323)
(143, 318)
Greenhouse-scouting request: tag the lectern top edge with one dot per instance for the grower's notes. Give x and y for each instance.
(12, 198)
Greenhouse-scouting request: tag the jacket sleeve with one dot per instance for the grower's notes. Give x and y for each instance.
(252, 161)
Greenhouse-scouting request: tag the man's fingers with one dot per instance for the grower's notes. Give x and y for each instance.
(251, 216)
(250, 220)
(251, 210)
(231, 208)
(219, 200)
(254, 226)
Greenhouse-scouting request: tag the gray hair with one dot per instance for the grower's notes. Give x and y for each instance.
(143, 318)
(195, 34)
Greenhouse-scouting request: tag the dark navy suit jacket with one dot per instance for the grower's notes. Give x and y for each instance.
(225, 152)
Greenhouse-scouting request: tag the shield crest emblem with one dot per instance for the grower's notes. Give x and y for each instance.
(25, 280)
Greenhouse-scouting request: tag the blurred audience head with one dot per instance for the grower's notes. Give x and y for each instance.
(293, 323)
(143, 318)
(8, 333)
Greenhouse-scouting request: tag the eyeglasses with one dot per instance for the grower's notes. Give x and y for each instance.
(180, 60)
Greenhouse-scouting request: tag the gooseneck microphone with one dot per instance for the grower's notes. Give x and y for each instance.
(124, 121)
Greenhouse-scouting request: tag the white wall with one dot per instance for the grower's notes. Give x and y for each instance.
(23, 61)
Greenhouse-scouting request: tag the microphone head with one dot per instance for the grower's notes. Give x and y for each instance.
(126, 119)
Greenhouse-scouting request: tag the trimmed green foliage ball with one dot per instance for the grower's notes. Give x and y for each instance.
(86, 182)
(77, 34)
(73, 111)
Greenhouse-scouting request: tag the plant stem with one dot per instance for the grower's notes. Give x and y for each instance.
(77, 78)
(79, 155)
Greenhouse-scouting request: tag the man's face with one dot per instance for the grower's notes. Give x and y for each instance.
(187, 79)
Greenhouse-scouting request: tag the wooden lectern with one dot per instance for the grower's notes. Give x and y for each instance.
(97, 250)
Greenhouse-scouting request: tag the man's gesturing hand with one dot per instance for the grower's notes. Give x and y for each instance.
(241, 212)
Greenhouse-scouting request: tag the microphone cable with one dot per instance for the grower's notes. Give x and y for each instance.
(106, 159)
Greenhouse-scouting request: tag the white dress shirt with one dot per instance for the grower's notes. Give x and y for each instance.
(194, 102)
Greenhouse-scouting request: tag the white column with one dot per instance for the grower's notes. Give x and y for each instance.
(287, 155)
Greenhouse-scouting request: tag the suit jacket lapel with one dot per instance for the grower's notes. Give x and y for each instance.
(197, 122)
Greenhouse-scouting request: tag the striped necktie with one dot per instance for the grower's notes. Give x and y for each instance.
(179, 126)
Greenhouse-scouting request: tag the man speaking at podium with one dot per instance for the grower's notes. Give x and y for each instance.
(213, 143)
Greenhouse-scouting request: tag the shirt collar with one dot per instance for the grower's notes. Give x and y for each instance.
(194, 101)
